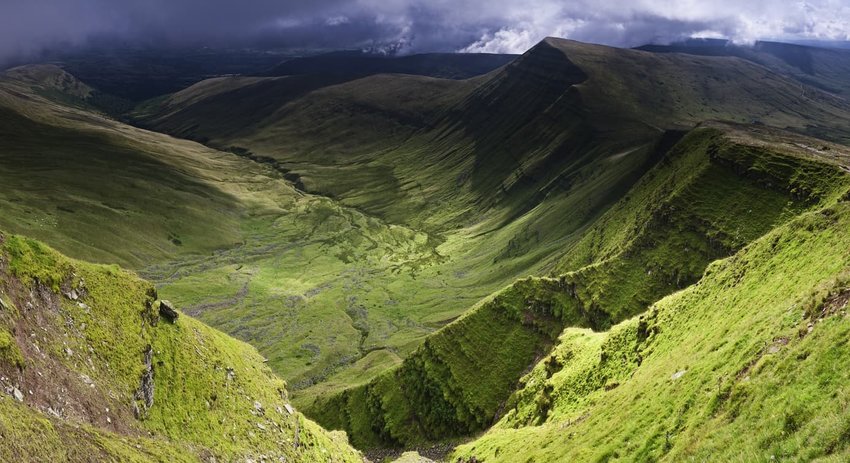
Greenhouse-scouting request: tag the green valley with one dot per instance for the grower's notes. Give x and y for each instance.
(583, 253)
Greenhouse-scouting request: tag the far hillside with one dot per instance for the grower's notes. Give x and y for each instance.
(360, 63)
(815, 65)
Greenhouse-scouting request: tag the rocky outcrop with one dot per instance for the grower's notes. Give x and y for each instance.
(144, 394)
(167, 310)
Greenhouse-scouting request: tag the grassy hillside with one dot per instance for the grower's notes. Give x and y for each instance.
(711, 195)
(93, 372)
(494, 162)
(101, 190)
(754, 349)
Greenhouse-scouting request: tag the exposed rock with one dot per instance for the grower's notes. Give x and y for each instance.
(145, 392)
(17, 394)
(149, 315)
(289, 409)
(167, 310)
(677, 375)
(258, 407)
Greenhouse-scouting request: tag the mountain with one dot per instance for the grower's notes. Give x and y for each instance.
(727, 357)
(136, 74)
(481, 267)
(406, 135)
(811, 64)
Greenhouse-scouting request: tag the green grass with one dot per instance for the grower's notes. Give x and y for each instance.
(207, 386)
(729, 357)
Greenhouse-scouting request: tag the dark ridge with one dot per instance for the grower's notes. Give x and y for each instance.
(140, 74)
(360, 64)
(798, 56)
(825, 68)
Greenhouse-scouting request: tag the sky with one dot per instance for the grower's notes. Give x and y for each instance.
(409, 26)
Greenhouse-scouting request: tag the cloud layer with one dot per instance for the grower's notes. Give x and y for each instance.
(26, 26)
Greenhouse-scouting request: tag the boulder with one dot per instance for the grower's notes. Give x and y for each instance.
(167, 310)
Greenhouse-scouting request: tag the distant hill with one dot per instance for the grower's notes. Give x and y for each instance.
(136, 74)
(819, 66)
(357, 63)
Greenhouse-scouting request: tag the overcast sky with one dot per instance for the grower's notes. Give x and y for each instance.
(26, 26)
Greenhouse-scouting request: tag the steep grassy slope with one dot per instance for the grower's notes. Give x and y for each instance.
(755, 349)
(95, 373)
(711, 195)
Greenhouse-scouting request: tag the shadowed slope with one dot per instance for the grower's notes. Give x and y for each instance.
(99, 189)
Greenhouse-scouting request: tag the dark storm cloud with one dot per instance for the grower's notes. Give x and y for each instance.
(411, 25)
